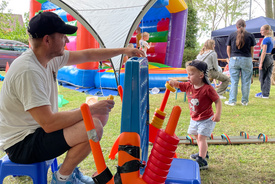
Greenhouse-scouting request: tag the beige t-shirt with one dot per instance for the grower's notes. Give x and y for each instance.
(27, 85)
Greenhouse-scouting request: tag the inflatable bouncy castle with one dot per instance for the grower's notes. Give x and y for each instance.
(112, 24)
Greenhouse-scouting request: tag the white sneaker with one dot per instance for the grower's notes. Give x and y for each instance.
(231, 104)
(265, 97)
(259, 95)
(222, 97)
(244, 103)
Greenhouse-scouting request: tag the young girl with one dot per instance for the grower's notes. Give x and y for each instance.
(266, 62)
(144, 45)
(240, 47)
(208, 55)
(201, 95)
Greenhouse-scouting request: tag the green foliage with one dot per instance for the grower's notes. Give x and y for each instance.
(192, 28)
(214, 14)
(189, 55)
(7, 22)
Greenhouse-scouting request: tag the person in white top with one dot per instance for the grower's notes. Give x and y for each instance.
(31, 128)
(144, 45)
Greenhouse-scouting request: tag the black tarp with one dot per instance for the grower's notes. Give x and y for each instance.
(252, 26)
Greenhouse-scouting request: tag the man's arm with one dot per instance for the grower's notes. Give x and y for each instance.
(51, 122)
(101, 54)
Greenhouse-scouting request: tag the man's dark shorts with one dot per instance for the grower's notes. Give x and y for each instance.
(38, 147)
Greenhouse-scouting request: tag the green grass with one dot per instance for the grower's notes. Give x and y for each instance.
(228, 164)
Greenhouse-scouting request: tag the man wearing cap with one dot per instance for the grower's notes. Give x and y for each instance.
(201, 94)
(31, 128)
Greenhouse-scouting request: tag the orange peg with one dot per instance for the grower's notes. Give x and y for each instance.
(173, 120)
(120, 91)
(166, 95)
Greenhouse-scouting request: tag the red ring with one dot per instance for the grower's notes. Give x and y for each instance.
(155, 169)
(168, 138)
(163, 158)
(158, 163)
(159, 116)
(155, 176)
(165, 144)
(147, 179)
(163, 150)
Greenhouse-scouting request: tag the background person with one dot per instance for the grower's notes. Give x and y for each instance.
(144, 45)
(31, 128)
(240, 49)
(138, 37)
(208, 55)
(266, 62)
(201, 95)
(125, 58)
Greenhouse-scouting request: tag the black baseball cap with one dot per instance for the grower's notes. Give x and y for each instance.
(46, 23)
(201, 66)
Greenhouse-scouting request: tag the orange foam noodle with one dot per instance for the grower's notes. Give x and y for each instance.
(95, 146)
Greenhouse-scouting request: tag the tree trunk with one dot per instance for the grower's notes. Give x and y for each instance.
(268, 8)
(273, 9)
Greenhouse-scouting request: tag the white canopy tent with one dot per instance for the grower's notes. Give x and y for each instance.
(111, 22)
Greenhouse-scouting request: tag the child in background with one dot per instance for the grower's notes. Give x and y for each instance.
(201, 95)
(144, 45)
(214, 80)
(138, 36)
(125, 58)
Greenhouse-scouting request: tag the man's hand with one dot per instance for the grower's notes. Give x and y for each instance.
(101, 110)
(102, 107)
(134, 52)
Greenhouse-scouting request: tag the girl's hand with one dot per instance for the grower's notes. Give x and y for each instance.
(260, 66)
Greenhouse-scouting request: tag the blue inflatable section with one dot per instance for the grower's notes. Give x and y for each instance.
(152, 17)
(94, 79)
(48, 5)
(77, 77)
(107, 80)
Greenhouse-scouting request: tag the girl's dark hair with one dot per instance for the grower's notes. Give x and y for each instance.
(240, 41)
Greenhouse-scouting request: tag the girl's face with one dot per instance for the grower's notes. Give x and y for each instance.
(213, 46)
(145, 37)
(263, 31)
(194, 76)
